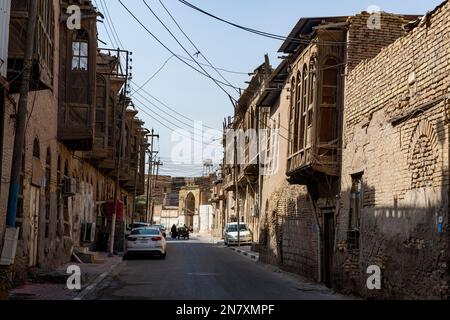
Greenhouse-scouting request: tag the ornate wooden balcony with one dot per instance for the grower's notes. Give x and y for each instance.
(43, 59)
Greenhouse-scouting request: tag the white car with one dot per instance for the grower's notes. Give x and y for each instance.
(231, 234)
(146, 240)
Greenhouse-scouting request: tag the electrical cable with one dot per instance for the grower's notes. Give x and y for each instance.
(167, 48)
(258, 32)
(187, 52)
(193, 44)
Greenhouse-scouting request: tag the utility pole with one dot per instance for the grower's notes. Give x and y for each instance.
(147, 201)
(135, 184)
(10, 243)
(117, 182)
(156, 164)
(21, 116)
(237, 190)
(149, 178)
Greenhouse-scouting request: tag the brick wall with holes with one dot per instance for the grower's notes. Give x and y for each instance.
(395, 164)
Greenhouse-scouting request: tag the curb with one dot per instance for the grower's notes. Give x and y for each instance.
(93, 284)
(254, 257)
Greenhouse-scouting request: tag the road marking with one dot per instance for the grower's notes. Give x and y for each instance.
(199, 274)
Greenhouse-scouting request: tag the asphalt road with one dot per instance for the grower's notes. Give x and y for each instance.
(200, 270)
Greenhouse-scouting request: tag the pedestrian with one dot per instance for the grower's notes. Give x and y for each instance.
(173, 231)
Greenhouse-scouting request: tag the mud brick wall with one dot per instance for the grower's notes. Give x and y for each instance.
(396, 134)
(289, 236)
(364, 43)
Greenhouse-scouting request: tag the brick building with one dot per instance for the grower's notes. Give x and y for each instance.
(76, 113)
(395, 180)
(300, 106)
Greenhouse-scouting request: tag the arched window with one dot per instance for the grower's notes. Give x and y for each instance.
(292, 116)
(304, 107)
(36, 149)
(48, 175)
(298, 111)
(312, 91)
(80, 50)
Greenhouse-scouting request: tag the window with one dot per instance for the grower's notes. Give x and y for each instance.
(291, 117)
(328, 108)
(330, 82)
(298, 110)
(48, 176)
(356, 200)
(80, 51)
(312, 91)
(36, 149)
(304, 108)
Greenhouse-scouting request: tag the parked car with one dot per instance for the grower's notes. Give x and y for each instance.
(231, 234)
(146, 240)
(135, 225)
(162, 228)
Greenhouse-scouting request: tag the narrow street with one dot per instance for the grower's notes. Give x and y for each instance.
(200, 270)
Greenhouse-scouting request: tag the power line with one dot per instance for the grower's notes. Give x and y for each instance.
(106, 29)
(153, 76)
(114, 30)
(165, 112)
(167, 106)
(163, 104)
(187, 52)
(167, 48)
(255, 31)
(170, 122)
(193, 44)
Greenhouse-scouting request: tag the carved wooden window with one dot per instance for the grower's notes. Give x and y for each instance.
(312, 91)
(304, 109)
(291, 117)
(48, 175)
(328, 107)
(80, 51)
(298, 136)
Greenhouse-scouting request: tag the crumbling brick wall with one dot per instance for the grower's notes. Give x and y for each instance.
(289, 236)
(396, 135)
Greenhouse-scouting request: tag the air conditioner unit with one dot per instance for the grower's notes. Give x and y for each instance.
(70, 186)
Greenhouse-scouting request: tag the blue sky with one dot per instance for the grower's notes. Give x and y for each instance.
(191, 94)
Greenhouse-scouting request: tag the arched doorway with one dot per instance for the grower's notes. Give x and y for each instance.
(189, 208)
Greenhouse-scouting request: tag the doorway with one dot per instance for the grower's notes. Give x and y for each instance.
(190, 210)
(34, 226)
(328, 252)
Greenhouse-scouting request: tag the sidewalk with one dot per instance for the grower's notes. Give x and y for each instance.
(247, 252)
(56, 288)
(242, 250)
